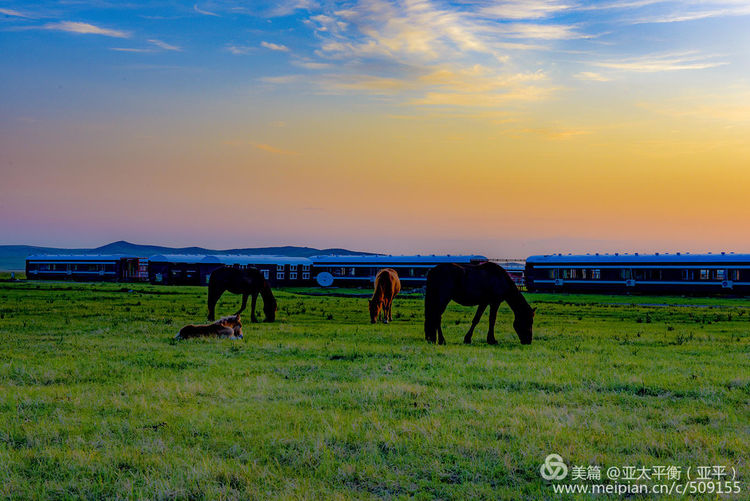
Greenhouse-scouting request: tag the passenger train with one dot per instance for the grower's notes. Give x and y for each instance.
(678, 273)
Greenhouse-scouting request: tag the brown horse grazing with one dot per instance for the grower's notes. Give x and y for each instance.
(387, 286)
(249, 282)
(485, 284)
(228, 327)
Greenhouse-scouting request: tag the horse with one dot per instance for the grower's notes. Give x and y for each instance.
(248, 282)
(227, 327)
(387, 286)
(482, 285)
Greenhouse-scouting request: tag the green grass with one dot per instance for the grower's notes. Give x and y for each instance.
(98, 401)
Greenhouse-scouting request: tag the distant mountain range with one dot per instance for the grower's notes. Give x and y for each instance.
(13, 257)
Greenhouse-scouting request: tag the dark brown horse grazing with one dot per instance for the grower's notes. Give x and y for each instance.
(485, 284)
(249, 282)
(387, 286)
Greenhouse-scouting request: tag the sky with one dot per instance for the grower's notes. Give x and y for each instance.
(503, 128)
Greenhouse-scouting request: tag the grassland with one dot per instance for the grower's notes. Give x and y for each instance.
(97, 400)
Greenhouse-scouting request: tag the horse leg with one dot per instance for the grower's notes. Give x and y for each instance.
(491, 332)
(243, 306)
(253, 318)
(213, 298)
(386, 316)
(434, 308)
(390, 310)
(477, 318)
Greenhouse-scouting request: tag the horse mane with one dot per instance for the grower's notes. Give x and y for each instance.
(514, 298)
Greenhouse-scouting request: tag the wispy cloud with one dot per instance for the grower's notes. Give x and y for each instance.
(663, 62)
(274, 46)
(204, 12)
(311, 65)
(484, 100)
(272, 149)
(288, 7)
(14, 13)
(695, 11)
(158, 43)
(85, 29)
(282, 79)
(131, 49)
(239, 50)
(164, 45)
(591, 76)
(425, 52)
(525, 9)
(541, 31)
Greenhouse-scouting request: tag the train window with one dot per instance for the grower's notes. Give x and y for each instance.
(721, 274)
(280, 275)
(705, 274)
(292, 267)
(735, 274)
(292, 275)
(305, 275)
(305, 267)
(596, 274)
(626, 274)
(411, 272)
(573, 273)
(265, 274)
(280, 267)
(583, 273)
(351, 272)
(688, 274)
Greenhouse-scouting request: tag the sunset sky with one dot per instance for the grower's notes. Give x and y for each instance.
(504, 128)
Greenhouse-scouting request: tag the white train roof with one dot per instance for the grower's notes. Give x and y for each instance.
(381, 259)
(228, 259)
(637, 258)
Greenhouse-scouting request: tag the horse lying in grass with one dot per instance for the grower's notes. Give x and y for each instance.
(227, 327)
(387, 286)
(482, 285)
(249, 282)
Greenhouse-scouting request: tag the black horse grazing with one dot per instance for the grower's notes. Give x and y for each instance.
(485, 284)
(249, 282)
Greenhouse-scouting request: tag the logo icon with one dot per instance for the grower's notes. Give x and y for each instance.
(554, 468)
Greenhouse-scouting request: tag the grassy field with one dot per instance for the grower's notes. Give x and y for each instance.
(98, 401)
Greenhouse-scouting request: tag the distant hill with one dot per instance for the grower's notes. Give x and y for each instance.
(13, 257)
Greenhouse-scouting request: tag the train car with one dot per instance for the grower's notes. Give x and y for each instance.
(280, 271)
(179, 269)
(353, 271)
(678, 273)
(87, 268)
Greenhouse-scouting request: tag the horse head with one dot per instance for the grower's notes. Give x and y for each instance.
(269, 303)
(523, 326)
(375, 306)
